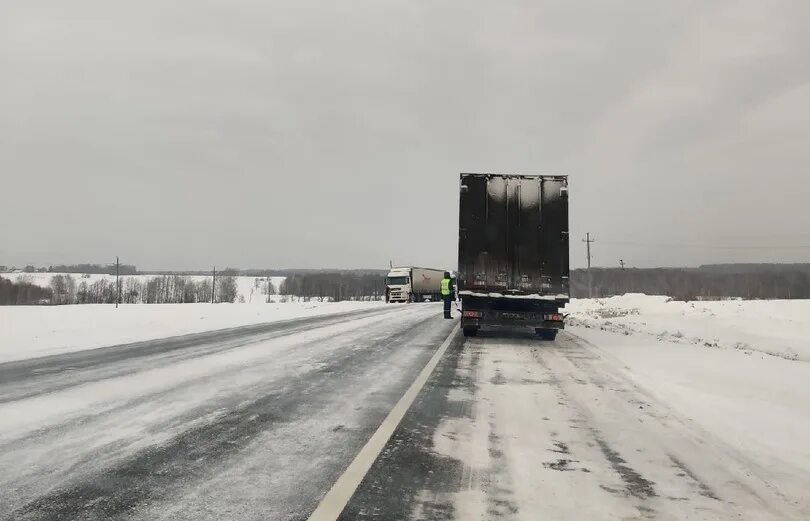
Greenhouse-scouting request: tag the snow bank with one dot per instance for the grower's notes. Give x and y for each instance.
(756, 404)
(33, 331)
(738, 369)
(775, 327)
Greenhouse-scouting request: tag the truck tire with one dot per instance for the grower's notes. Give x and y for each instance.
(546, 334)
(470, 331)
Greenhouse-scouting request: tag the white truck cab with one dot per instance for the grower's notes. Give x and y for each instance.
(398, 285)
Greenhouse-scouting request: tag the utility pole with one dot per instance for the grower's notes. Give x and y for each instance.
(213, 285)
(588, 241)
(117, 284)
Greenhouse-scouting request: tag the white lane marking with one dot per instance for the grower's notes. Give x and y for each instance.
(342, 491)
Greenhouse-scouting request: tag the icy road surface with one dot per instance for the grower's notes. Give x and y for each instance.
(247, 423)
(259, 422)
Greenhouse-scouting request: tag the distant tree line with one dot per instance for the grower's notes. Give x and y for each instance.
(176, 289)
(337, 286)
(170, 289)
(263, 273)
(22, 293)
(166, 289)
(748, 281)
(99, 269)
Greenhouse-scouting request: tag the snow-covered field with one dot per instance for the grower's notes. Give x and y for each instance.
(32, 331)
(247, 288)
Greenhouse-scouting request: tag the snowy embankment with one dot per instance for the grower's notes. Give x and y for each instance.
(774, 327)
(33, 331)
(738, 369)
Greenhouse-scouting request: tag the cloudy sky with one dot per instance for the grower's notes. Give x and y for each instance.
(308, 133)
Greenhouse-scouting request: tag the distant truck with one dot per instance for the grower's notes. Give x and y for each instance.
(409, 284)
(513, 252)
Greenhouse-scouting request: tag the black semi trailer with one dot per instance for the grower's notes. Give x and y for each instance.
(513, 252)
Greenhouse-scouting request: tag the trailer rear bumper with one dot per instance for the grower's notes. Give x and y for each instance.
(490, 320)
(538, 314)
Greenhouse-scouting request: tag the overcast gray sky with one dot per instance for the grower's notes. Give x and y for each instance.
(247, 133)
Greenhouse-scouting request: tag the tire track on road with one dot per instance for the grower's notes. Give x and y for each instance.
(550, 431)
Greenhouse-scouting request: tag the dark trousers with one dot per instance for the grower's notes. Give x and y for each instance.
(447, 301)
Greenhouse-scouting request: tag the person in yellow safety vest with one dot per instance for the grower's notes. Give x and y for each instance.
(448, 293)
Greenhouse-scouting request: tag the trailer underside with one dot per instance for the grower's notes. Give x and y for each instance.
(542, 315)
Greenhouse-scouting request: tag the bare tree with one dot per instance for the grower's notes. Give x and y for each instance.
(83, 293)
(57, 285)
(226, 288)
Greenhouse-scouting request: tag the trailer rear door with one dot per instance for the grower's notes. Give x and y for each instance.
(513, 234)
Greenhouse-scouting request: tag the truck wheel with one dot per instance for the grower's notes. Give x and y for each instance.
(546, 334)
(470, 331)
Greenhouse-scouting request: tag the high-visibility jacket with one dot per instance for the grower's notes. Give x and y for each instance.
(445, 287)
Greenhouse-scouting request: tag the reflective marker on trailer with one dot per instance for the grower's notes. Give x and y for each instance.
(555, 317)
(471, 314)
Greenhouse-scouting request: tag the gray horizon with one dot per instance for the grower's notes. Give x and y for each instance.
(308, 134)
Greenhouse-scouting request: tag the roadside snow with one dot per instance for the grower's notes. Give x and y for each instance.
(775, 327)
(737, 369)
(757, 403)
(33, 331)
